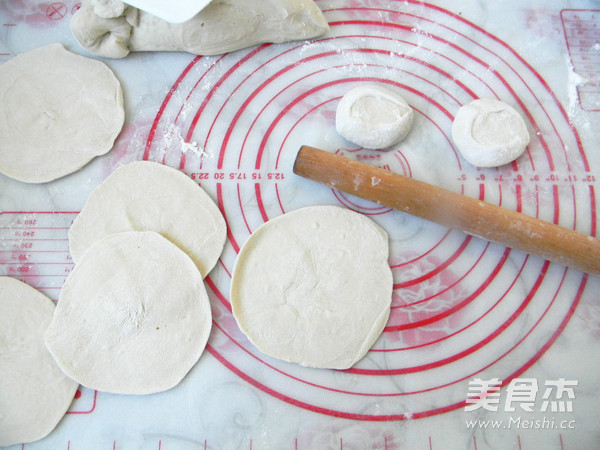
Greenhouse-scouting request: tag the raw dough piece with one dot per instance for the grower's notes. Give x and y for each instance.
(133, 316)
(58, 110)
(34, 392)
(489, 133)
(221, 27)
(314, 286)
(148, 196)
(373, 117)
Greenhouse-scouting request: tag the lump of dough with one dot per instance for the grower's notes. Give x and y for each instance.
(108, 8)
(148, 196)
(222, 26)
(314, 286)
(373, 117)
(58, 111)
(34, 393)
(489, 133)
(133, 316)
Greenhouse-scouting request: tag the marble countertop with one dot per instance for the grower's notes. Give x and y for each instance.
(466, 314)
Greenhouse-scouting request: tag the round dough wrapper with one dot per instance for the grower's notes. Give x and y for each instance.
(34, 393)
(58, 111)
(373, 117)
(489, 133)
(314, 286)
(148, 196)
(133, 316)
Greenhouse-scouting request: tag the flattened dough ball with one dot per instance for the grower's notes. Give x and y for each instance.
(314, 286)
(148, 196)
(373, 117)
(489, 133)
(133, 316)
(34, 393)
(58, 111)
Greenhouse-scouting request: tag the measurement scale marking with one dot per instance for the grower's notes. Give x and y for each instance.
(582, 35)
(35, 248)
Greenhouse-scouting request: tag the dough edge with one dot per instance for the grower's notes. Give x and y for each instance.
(378, 324)
(7, 282)
(175, 179)
(71, 166)
(160, 386)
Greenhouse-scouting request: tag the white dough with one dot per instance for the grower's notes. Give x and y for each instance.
(314, 286)
(373, 117)
(489, 133)
(34, 393)
(133, 316)
(58, 111)
(148, 196)
(221, 27)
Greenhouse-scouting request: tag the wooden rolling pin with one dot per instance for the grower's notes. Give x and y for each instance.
(475, 217)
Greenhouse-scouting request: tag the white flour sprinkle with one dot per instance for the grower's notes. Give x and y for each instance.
(173, 136)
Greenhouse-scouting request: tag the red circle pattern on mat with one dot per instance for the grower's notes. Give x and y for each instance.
(462, 307)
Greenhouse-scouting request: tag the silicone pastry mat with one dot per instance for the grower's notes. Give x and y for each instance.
(464, 311)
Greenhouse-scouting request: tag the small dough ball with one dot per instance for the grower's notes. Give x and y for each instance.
(373, 117)
(34, 393)
(314, 286)
(148, 196)
(133, 316)
(58, 111)
(489, 133)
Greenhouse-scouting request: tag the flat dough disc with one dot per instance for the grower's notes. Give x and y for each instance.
(374, 117)
(314, 286)
(58, 110)
(147, 196)
(133, 316)
(34, 393)
(489, 133)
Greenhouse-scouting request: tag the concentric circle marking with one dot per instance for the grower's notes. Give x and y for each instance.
(462, 307)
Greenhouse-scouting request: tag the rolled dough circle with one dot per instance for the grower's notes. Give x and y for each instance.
(314, 286)
(58, 111)
(133, 316)
(148, 196)
(373, 117)
(489, 133)
(34, 392)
